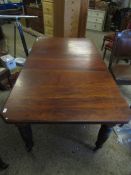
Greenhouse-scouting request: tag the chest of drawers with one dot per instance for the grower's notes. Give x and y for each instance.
(96, 19)
(48, 13)
(65, 18)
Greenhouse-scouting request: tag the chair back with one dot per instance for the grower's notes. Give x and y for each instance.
(121, 47)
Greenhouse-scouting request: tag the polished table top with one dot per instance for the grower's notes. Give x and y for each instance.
(65, 80)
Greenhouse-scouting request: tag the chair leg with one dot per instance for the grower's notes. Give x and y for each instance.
(25, 131)
(103, 44)
(104, 53)
(110, 63)
(103, 135)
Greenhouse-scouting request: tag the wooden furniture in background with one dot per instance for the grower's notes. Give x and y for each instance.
(65, 18)
(83, 18)
(48, 14)
(92, 4)
(96, 19)
(65, 80)
(36, 23)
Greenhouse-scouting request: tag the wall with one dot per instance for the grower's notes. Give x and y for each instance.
(123, 3)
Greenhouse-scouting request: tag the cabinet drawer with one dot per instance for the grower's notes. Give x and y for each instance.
(48, 8)
(48, 20)
(96, 13)
(94, 19)
(94, 26)
(49, 31)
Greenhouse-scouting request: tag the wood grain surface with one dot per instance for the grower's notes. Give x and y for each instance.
(65, 80)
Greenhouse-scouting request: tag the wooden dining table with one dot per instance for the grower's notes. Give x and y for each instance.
(65, 81)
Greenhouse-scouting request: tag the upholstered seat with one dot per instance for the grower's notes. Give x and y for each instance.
(121, 49)
(110, 38)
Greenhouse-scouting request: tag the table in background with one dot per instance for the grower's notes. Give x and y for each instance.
(18, 25)
(66, 81)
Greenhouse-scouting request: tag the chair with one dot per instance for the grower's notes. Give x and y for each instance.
(121, 50)
(111, 37)
(108, 38)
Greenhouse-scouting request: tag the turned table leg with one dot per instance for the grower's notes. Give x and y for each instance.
(103, 135)
(26, 134)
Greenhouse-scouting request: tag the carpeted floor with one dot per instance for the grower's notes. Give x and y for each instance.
(62, 149)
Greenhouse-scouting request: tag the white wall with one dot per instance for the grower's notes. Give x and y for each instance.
(124, 3)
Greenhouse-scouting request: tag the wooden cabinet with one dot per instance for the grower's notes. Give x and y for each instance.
(61, 18)
(65, 18)
(96, 19)
(35, 23)
(48, 7)
(48, 13)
